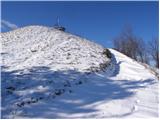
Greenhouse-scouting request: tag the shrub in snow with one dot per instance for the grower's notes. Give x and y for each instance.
(103, 66)
(107, 53)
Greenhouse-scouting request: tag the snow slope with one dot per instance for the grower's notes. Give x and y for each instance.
(38, 45)
(36, 88)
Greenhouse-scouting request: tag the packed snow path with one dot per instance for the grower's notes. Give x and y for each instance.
(129, 90)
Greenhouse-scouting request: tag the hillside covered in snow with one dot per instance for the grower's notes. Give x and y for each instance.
(38, 45)
(47, 73)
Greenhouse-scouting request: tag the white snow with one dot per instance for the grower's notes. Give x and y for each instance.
(38, 45)
(38, 80)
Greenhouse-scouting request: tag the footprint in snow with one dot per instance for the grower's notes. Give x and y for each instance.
(135, 108)
(137, 101)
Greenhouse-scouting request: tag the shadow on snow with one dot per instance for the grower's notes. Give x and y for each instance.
(55, 83)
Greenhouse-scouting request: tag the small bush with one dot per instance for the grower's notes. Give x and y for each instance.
(107, 53)
(59, 91)
(103, 66)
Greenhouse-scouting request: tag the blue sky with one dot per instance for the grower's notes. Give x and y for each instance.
(98, 21)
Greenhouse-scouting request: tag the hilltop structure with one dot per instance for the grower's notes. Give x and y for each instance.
(58, 26)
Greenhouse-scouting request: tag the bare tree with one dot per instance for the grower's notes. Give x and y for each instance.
(127, 43)
(131, 45)
(142, 52)
(154, 50)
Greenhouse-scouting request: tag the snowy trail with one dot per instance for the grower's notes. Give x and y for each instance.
(132, 91)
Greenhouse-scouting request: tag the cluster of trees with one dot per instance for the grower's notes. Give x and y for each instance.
(137, 48)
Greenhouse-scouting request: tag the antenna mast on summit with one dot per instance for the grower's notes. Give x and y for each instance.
(58, 26)
(58, 21)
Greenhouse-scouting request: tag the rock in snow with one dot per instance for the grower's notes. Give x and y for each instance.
(47, 73)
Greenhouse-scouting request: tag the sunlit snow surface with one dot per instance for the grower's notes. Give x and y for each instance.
(45, 74)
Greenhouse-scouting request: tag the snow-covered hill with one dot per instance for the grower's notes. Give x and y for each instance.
(43, 46)
(48, 73)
